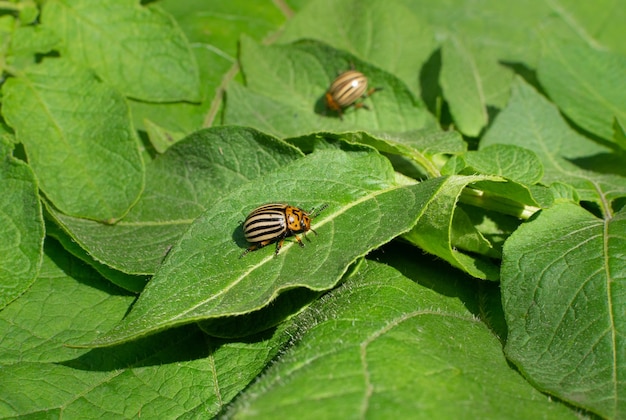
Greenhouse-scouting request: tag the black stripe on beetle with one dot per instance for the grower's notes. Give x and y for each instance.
(274, 222)
(347, 90)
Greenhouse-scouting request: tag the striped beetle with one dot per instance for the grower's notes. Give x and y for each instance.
(275, 222)
(346, 90)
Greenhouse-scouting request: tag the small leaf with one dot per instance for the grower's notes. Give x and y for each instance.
(78, 138)
(564, 193)
(508, 161)
(563, 296)
(487, 229)
(433, 232)
(21, 228)
(462, 86)
(139, 50)
(532, 122)
(161, 138)
(180, 184)
(26, 41)
(384, 345)
(586, 83)
(8, 27)
(204, 276)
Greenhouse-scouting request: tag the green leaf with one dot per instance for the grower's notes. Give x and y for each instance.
(418, 146)
(564, 193)
(265, 319)
(177, 373)
(433, 232)
(508, 198)
(139, 50)
(212, 36)
(354, 352)
(386, 345)
(586, 83)
(496, 38)
(462, 86)
(597, 24)
(225, 21)
(430, 142)
(382, 33)
(485, 230)
(563, 279)
(286, 86)
(26, 41)
(160, 137)
(508, 161)
(78, 138)
(6, 143)
(619, 132)
(8, 26)
(66, 302)
(180, 184)
(465, 236)
(21, 228)
(28, 11)
(128, 282)
(532, 122)
(501, 29)
(167, 375)
(204, 276)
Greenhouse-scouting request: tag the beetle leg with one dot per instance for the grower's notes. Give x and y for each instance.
(279, 245)
(300, 241)
(254, 248)
(250, 249)
(373, 90)
(366, 95)
(279, 242)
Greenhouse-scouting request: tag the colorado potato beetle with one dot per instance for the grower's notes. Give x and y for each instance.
(346, 90)
(274, 222)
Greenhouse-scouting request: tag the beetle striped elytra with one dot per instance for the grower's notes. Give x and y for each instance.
(346, 90)
(274, 222)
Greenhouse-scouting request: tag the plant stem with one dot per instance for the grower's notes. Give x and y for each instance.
(485, 200)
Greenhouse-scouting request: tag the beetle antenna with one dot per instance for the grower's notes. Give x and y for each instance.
(322, 207)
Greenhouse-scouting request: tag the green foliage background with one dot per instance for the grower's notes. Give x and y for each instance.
(470, 262)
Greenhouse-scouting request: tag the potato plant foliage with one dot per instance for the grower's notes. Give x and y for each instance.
(468, 261)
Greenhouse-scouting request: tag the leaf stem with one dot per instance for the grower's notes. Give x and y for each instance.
(486, 200)
(430, 168)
